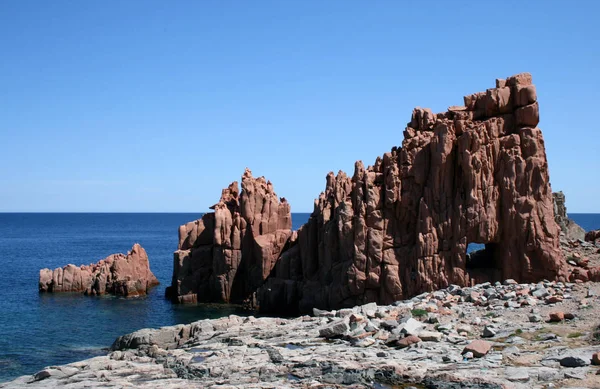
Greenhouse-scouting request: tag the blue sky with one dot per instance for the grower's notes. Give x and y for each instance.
(156, 106)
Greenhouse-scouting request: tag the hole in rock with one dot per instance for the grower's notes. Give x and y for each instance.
(482, 262)
(471, 247)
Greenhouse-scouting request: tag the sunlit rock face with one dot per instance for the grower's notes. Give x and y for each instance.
(474, 174)
(227, 254)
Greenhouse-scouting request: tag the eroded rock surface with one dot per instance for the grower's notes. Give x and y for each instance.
(227, 254)
(118, 274)
(475, 174)
(572, 230)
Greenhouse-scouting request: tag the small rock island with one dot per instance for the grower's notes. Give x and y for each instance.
(118, 274)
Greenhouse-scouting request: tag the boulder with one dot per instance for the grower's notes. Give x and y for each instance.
(118, 274)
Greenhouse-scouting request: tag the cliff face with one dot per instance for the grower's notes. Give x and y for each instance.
(118, 274)
(474, 174)
(226, 255)
(571, 230)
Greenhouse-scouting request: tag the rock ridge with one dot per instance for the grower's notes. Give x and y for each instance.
(118, 274)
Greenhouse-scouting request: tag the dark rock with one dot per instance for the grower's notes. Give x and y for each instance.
(592, 236)
(574, 361)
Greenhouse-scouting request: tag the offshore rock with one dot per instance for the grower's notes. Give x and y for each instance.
(227, 254)
(118, 274)
(474, 174)
(572, 230)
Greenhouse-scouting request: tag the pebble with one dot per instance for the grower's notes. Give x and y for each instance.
(535, 318)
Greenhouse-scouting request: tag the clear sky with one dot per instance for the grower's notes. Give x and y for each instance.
(157, 105)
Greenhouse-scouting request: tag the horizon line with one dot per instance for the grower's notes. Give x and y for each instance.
(186, 212)
(179, 212)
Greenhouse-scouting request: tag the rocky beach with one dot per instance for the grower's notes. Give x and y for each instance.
(492, 335)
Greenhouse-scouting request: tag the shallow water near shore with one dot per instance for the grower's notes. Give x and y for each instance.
(38, 330)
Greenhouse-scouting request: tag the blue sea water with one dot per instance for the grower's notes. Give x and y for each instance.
(38, 330)
(588, 221)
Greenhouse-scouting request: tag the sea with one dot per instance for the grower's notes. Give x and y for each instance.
(38, 330)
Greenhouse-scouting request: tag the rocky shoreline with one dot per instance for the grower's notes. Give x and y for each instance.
(509, 335)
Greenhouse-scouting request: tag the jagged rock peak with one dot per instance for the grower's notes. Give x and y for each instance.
(474, 174)
(226, 255)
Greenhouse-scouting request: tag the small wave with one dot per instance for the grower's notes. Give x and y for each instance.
(9, 364)
(87, 348)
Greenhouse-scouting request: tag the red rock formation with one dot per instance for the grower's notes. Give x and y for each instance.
(226, 255)
(474, 174)
(118, 274)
